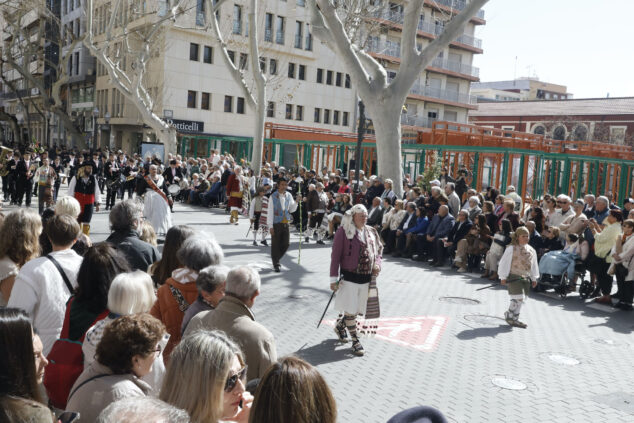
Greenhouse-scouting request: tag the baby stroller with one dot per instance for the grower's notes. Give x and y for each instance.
(560, 282)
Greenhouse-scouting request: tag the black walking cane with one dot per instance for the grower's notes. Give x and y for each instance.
(488, 286)
(326, 309)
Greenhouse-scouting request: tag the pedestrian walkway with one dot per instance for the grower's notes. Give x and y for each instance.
(440, 342)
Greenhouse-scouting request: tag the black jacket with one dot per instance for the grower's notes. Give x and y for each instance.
(139, 253)
(376, 219)
(456, 234)
(21, 170)
(169, 178)
(412, 222)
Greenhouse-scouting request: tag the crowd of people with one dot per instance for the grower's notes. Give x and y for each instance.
(117, 329)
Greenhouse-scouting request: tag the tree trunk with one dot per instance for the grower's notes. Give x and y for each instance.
(387, 127)
(258, 134)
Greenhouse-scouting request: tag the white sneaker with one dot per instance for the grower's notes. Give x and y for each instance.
(462, 270)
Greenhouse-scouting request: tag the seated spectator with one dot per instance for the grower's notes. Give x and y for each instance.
(180, 291)
(387, 191)
(446, 246)
(535, 240)
(510, 214)
(500, 240)
(623, 268)
(293, 391)
(125, 354)
(19, 243)
(438, 228)
(68, 205)
(474, 208)
(130, 293)
(466, 247)
(214, 195)
(499, 208)
(374, 191)
(44, 285)
(574, 224)
(407, 240)
(210, 283)
(20, 398)
(162, 270)
(454, 200)
(552, 241)
(491, 217)
(517, 200)
(341, 207)
(234, 316)
(394, 219)
(142, 410)
(89, 305)
(557, 262)
(207, 377)
(125, 221)
(375, 215)
(398, 237)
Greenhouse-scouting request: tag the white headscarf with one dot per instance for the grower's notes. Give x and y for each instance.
(348, 224)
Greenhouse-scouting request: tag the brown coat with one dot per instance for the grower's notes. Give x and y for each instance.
(167, 310)
(237, 320)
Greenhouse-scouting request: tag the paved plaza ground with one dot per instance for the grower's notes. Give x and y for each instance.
(440, 342)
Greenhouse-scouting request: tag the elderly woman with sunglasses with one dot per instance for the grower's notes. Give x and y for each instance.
(206, 377)
(127, 351)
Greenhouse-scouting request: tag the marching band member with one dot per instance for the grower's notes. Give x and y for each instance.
(84, 187)
(25, 170)
(44, 176)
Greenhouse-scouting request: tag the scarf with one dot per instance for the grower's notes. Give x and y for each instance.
(184, 275)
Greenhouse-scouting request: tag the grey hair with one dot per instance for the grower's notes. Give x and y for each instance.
(68, 205)
(604, 199)
(436, 189)
(131, 293)
(564, 197)
(141, 410)
(211, 277)
(451, 186)
(411, 205)
(242, 282)
(197, 252)
(123, 215)
(589, 196)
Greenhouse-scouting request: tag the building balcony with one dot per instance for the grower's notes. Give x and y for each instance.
(469, 40)
(393, 49)
(459, 5)
(415, 120)
(421, 90)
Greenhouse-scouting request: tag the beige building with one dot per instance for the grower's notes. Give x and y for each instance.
(307, 84)
(519, 89)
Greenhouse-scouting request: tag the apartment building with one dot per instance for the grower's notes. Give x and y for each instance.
(519, 89)
(307, 84)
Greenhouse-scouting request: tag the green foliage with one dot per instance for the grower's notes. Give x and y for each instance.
(432, 172)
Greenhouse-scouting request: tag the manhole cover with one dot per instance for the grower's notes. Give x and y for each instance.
(459, 300)
(484, 319)
(563, 359)
(610, 342)
(506, 383)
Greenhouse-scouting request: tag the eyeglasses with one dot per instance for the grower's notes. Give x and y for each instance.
(233, 379)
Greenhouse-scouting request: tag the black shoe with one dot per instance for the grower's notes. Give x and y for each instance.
(307, 240)
(255, 244)
(340, 331)
(320, 242)
(277, 268)
(266, 244)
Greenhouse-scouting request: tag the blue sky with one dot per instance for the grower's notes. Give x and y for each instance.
(585, 45)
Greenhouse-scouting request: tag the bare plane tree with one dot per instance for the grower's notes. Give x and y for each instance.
(384, 99)
(22, 47)
(134, 41)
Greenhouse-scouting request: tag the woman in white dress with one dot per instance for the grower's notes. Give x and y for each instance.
(156, 207)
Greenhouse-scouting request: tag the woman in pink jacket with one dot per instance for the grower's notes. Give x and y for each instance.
(355, 264)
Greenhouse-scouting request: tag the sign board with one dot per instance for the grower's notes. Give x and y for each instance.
(190, 126)
(152, 148)
(421, 333)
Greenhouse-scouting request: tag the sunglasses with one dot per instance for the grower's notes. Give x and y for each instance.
(233, 379)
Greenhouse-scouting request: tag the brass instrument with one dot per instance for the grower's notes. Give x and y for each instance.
(32, 169)
(4, 154)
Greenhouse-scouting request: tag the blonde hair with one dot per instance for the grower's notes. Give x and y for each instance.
(147, 233)
(20, 236)
(68, 205)
(197, 372)
(521, 230)
(131, 293)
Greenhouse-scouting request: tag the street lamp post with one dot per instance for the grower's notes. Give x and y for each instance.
(106, 117)
(47, 135)
(95, 115)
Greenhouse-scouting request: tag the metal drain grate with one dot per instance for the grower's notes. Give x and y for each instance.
(459, 300)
